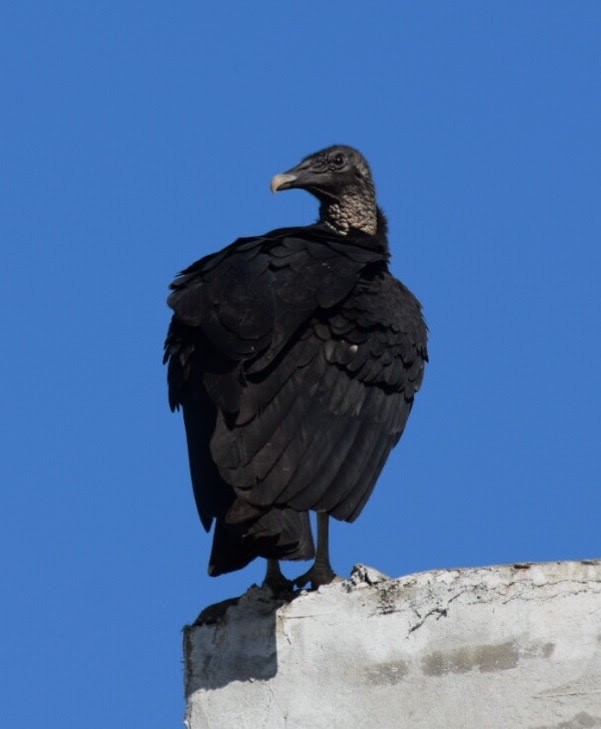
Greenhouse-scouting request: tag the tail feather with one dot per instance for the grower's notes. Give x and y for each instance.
(277, 533)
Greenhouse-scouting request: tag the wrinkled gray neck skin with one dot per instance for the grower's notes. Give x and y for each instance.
(354, 208)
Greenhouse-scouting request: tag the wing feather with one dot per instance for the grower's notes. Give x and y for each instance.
(308, 353)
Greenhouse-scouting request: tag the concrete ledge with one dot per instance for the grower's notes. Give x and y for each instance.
(496, 647)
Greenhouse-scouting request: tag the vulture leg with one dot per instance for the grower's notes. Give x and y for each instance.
(275, 580)
(321, 573)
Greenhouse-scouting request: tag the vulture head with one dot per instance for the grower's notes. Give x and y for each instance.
(340, 178)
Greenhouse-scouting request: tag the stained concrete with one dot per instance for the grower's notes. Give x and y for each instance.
(488, 648)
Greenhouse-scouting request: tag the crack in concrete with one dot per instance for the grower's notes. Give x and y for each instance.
(441, 613)
(546, 598)
(282, 624)
(441, 610)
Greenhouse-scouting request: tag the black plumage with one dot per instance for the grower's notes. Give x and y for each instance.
(295, 357)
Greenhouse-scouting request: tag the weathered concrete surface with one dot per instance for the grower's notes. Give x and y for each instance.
(497, 647)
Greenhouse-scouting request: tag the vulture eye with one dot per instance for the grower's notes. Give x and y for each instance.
(338, 160)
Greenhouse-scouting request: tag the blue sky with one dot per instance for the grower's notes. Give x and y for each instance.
(137, 137)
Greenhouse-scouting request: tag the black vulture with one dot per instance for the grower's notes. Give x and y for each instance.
(295, 357)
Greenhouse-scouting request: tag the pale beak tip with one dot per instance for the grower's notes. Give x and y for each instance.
(279, 180)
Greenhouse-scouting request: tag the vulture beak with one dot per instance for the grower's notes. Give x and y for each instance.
(283, 181)
(300, 177)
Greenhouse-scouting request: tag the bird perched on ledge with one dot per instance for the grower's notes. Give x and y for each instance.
(295, 357)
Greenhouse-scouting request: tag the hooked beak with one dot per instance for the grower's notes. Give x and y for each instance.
(300, 177)
(283, 181)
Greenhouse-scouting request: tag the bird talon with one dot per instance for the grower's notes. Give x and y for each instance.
(318, 575)
(275, 579)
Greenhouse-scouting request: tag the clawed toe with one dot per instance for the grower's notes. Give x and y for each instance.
(318, 575)
(279, 586)
(275, 580)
